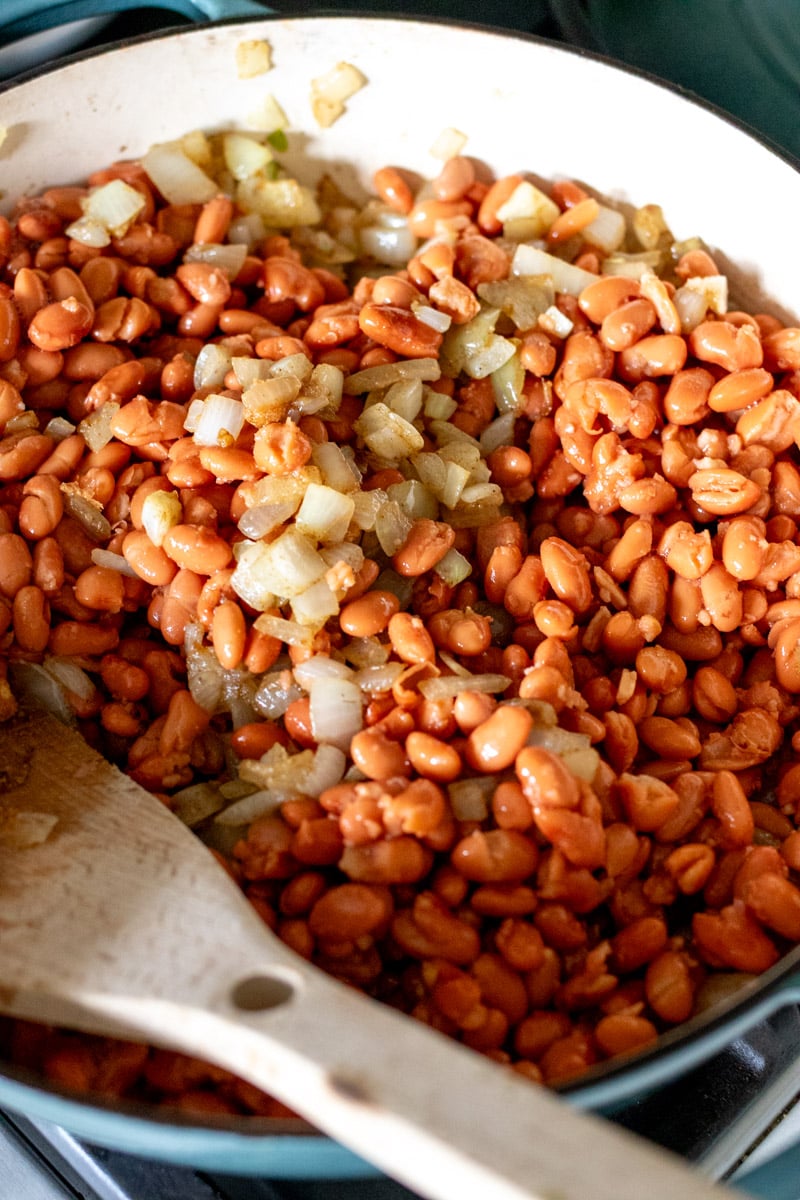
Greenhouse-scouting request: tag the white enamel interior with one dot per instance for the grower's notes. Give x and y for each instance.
(524, 106)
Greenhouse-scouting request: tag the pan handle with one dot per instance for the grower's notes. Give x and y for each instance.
(20, 18)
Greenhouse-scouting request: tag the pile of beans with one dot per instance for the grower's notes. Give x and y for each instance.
(639, 586)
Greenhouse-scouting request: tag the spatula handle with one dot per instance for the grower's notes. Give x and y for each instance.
(435, 1115)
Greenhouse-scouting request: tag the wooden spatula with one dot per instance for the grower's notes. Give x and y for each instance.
(121, 922)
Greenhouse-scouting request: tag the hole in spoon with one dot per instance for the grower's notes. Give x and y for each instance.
(261, 992)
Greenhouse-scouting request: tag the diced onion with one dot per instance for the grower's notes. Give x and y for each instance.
(454, 568)
(326, 771)
(179, 180)
(449, 143)
(253, 57)
(528, 203)
(379, 678)
(325, 514)
(387, 434)
(555, 322)
(95, 428)
(89, 232)
(338, 471)
(161, 511)
(196, 803)
(114, 562)
(335, 707)
(366, 651)
(320, 666)
(228, 257)
(88, 514)
(244, 156)
(329, 91)
(469, 798)
(566, 277)
(451, 685)
(499, 432)
(606, 231)
(275, 693)
(383, 376)
(115, 206)
(220, 422)
(261, 519)
(392, 527)
(431, 316)
(315, 605)
(33, 683)
(283, 203)
(290, 632)
(250, 579)
(59, 428)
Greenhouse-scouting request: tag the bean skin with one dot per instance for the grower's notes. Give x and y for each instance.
(495, 743)
(425, 546)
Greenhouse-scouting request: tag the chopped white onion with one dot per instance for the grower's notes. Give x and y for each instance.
(531, 260)
(338, 471)
(414, 498)
(89, 232)
(283, 203)
(315, 605)
(88, 514)
(383, 376)
(554, 321)
(452, 685)
(325, 514)
(439, 321)
(161, 511)
(366, 651)
(220, 422)
(336, 711)
(529, 204)
(320, 666)
(179, 180)
(250, 579)
(329, 92)
(59, 428)
(247, 230)
(392, 527)
(499, 432)
(275, 693)
(95, 428)
(245, 156)
(115, 205)
(290, 632)
(114, 562)
(387, 434)
(260, 520)
(607, 231)
(469, 798)
(326, 770)
(454, 568)
(227, 257)
(379, 678)
(449, 143)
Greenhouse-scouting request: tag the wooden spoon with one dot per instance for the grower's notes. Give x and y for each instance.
(121, 922)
